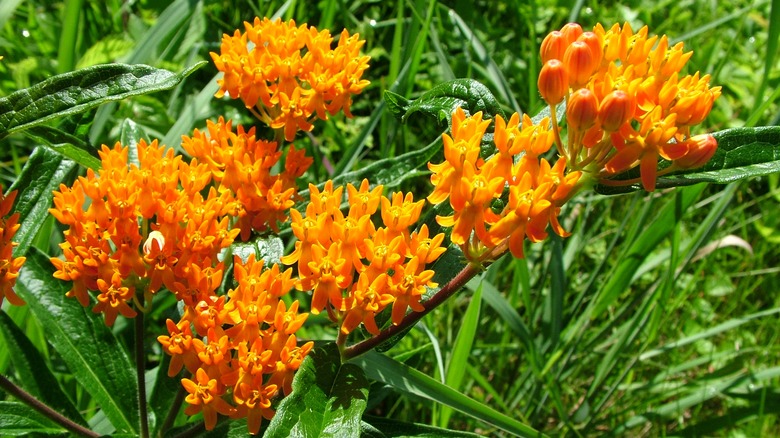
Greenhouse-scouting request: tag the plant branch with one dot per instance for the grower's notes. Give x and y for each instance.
(174, 410)
(140, 371)
(409, 320)
(44, 409)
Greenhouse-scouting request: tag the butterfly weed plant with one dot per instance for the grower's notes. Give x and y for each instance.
(188, 227)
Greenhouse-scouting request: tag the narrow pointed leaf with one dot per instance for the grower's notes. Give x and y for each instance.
(327, 400)
(80, 90)
(383, 427)
(65, 144)
(409, 380)
(90, 350)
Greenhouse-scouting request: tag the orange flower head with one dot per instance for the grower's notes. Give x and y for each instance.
(9, 265)
(292, 74)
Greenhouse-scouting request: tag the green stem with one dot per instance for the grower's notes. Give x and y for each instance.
(44, 409)
(140, 371)
(173, 412)
(411, 319)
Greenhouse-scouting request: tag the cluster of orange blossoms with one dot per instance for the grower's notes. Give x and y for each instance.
(537, 190)
(627, 103)
(290, 75)
(242, 165)
(355, 269)
(244, 344)
(9, 265)
(140, 227)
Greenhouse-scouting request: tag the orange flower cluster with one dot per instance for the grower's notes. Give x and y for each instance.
(290, 74)
(627, 102)
(537, 190)
(355, 269)
(243, 345)
(242, 165)
(9, 265)
(109, 247)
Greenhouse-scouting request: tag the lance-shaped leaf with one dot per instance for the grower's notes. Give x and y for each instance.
(441, 100)
(327, 400)
(80, 90)
(43, 173)
(409, 380)
(96, 358)
(742, 153)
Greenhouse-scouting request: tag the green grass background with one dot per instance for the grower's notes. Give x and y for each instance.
(657, 317)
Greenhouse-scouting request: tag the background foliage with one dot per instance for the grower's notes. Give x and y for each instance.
(658, 316)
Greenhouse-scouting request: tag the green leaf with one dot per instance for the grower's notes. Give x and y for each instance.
(43, 173)
(78, 91)
(441, 100)
(328, 398)
(456, 367)
(742, 153)
(129, 135)
(383, 427)
(65, 144)
(409, 380)
(17, 419)
(35, 376)
(95, 357)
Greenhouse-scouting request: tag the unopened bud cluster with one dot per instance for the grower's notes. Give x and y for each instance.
(627, 104)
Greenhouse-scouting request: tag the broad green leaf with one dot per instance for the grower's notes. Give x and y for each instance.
(78, 91)
(377, 427)
(742, 153)
(65, 144)
(95, 357)
(409, 380)
(31, 367)
(441, 100)
(43, 173)
(456, 367)
(17, 419)
(327, 400)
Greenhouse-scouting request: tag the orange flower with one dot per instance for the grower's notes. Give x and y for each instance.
(9, 265)
(204, 396)
(291, 75)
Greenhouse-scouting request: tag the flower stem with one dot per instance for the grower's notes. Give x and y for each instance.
(440, 297)
(140, 371)
(44, 409)
(173, 412)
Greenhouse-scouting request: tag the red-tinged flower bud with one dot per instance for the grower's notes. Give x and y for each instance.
(596, 45)
(580, 63)
(700, 149)
(553, 46)
(582, 109)
(615, 109)
(553, 82)
(571, 32)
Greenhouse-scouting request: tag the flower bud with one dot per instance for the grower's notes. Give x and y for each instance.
(553, 82)
(154, 237)
(571, 31)
(700, 149)
(580, 63)
(595, 43)
(553, 46)
(582, 109)
(615, 109)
